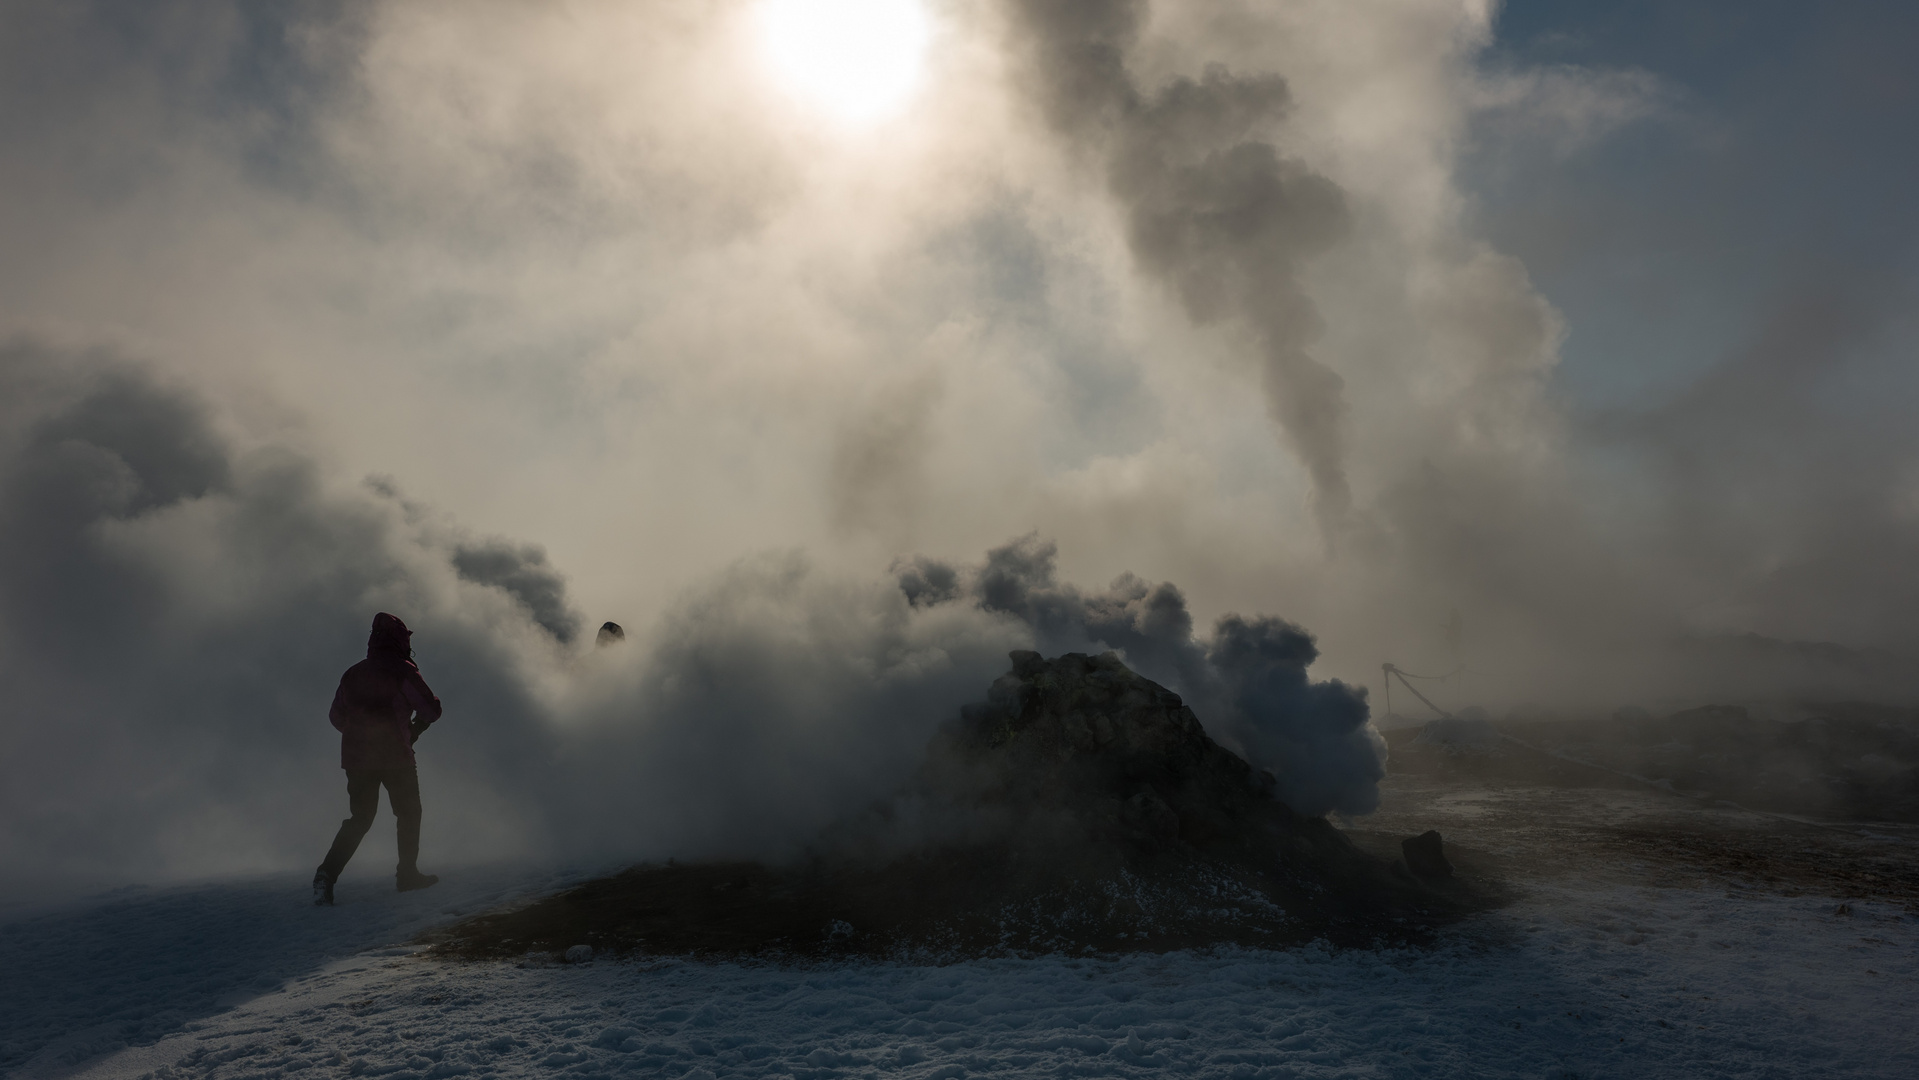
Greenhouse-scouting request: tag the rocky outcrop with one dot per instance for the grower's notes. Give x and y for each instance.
(1089, 737)
(1080, 808)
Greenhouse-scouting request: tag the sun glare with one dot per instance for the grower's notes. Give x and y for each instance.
(858, 60)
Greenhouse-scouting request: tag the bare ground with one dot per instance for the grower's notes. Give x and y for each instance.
(1523, 816)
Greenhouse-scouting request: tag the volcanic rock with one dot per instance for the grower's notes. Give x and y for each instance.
(1079, 808)
(1087, 737)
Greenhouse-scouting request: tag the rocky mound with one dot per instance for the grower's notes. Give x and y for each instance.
(1093, 746)
(1080, 808)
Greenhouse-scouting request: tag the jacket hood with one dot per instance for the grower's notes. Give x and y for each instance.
(390, 637)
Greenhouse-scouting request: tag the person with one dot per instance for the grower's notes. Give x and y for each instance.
(380, 709)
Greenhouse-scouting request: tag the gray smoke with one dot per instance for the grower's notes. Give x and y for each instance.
(1314, 736)
(176, 607)
(520, 571)
(1214, 210)
(1248, 683)
(175, 611)
(776, 700)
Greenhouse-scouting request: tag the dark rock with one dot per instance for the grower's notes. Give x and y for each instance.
(1080, 807)
(1089, 738)
(1148, 815)
(611, 633)
(1426, 856)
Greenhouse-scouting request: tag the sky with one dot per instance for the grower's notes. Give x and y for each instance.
(1565, 346)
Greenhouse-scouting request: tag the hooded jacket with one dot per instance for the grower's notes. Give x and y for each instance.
(376, 705)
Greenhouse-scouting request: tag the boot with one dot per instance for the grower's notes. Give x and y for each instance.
(409, 880)
(322, 888)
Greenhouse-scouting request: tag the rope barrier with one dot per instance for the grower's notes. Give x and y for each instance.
(1387, 671)
(1404, 674)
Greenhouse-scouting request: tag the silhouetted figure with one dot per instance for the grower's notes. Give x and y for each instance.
(381, 708)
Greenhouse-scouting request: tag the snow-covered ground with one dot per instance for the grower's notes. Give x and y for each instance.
(136, 964)
(1589, 976)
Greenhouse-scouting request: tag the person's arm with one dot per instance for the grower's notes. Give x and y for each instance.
(338, 713)
(426, 705)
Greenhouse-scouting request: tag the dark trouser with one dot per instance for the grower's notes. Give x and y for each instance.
(363, 799)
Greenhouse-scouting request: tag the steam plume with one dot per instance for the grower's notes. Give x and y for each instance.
(1214, 210)
(521, 571)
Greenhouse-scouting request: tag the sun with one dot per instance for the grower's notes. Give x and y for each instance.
(856, 60)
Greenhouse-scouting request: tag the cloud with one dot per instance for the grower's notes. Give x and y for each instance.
(1565, 109)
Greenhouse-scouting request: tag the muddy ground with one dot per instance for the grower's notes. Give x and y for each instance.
(1518, 816)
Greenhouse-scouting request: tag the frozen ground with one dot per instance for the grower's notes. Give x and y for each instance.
(1638, 965)
(137, 964)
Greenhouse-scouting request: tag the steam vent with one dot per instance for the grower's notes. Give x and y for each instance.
(1081, 808)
